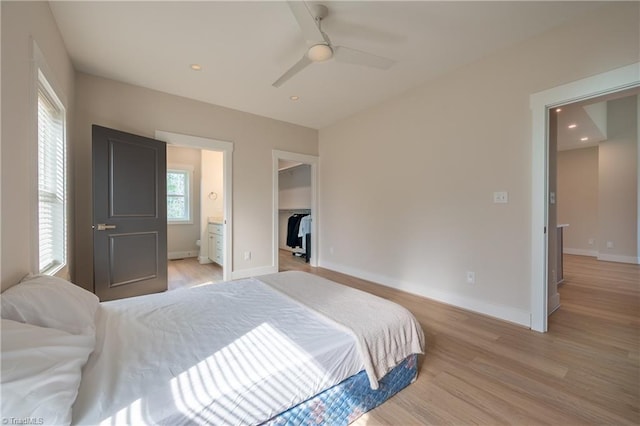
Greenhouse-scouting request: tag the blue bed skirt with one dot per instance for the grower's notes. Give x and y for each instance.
(348, 400)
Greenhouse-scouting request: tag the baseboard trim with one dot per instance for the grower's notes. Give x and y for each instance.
(181, 254)
(619, 258)
(580, 252)
(254, 272)
(505, 313)
(204, 259)
(604, 257)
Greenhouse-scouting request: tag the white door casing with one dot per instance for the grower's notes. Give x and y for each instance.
(227, 160)
(313, 162)
(608, 82)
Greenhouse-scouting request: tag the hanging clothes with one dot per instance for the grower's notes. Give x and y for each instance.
(305, 234)
(293, 229)
(304, 229)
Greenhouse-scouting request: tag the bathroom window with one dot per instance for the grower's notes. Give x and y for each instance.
(179, 195)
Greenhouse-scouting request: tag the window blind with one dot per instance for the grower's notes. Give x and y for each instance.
(178, 200)
(52, 224)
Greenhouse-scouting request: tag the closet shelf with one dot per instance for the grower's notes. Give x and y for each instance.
(295, 210)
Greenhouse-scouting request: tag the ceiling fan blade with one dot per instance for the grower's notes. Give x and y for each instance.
(306, 20)
(296, 68)
(357, 57)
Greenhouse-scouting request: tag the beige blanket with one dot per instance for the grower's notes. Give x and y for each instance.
(385, 331)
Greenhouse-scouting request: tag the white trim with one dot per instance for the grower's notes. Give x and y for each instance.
(505, 313)
(204, 259)
(312, 160)
(607, 82)
(254, 272)
(181, 254)
(603, 256)
(618, 258)
(227, 163)
(39, 66)
(580, 252)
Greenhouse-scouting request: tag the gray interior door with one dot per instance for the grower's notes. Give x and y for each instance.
(129, 214)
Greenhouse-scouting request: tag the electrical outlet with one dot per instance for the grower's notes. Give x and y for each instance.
(471, 277)
(330, 250)
(609, 244)
(501, 197)
(592, 241)
(247, 255)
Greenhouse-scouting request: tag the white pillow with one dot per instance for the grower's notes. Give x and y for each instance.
(52, 302)
(41, 371)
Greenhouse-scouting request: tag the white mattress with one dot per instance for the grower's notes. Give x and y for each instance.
(232, 353)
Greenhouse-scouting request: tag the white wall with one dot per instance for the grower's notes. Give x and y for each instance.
(181, 237)
(618, 189)
(598, 190)
(406, 187)
(142, 111)
(578, 199)
(295, 187)
(23, 22)
(212, 181)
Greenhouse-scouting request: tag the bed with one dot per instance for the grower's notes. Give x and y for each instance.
(286, 348)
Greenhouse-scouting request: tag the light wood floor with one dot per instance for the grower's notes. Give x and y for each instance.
(189, 272)
(478, 370)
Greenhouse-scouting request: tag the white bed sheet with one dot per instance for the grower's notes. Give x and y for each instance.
(386, 333)
(232, 353)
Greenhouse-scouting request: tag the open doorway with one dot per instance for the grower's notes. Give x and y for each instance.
(295, 208)
(199, 209)
(593, 173)
(541, 103)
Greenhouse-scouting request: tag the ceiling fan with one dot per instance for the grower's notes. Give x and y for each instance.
(321, 49)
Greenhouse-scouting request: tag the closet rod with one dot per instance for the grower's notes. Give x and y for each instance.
(294, 210)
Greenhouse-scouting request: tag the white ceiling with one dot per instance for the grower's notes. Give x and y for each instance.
(585, 126)
(244, 47)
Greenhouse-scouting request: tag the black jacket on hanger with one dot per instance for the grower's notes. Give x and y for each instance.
(293, 226)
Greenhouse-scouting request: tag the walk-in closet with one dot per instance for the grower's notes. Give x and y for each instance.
(294, 208)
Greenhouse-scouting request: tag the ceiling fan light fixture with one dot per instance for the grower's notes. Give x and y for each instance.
(320, 52)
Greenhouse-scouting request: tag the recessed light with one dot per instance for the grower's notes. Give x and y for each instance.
(558, 109)
(573, 126)
(196, 67)
(294, 98)
(584, 139)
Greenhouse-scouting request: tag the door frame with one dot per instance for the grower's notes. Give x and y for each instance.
(540, 103)
(311, 160)
(226, 147)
